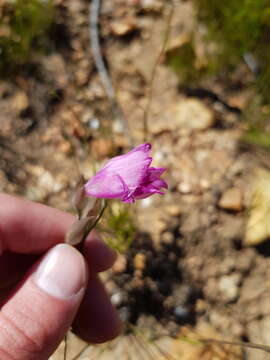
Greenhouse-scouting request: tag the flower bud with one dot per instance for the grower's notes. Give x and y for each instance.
(79, 230)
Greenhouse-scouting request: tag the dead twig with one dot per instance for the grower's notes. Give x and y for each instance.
(264, 348)
(154, 71)
(105, 78)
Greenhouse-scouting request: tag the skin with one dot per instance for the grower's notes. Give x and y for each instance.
(33, 323)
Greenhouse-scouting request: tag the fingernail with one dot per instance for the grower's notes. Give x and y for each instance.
(62, 272)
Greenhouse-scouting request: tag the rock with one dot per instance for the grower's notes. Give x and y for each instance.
(231, 227)
(122, 28)
(167, 238)
(229, 286)
(259, 332)
(200, 306)
(120, 264)
(149, 5)
(172, 209)
(54, 67)
(139, 261)
(102, 148)
(117, 298)
(258, 224)
(46, 183)
(184, 188)
(232, 199)
(20, 101)
(49, 183)
(181, 313)
(192, 114)
(81, 77)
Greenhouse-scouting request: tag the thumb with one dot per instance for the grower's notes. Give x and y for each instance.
(38, 314)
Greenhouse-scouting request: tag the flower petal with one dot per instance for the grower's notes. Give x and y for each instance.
(127, 177)
(132, 167)
(159, 183)
(106, 185)
(146, 191)
(154, 173)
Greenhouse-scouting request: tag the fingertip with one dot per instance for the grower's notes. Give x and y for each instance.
(62, 272)
(38, 313)
(98, 255)
(97, 320)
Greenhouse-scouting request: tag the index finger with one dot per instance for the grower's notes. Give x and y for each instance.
(28, 227)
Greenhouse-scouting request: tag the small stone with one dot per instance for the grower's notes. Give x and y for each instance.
(54, 65)
(102, 147)
(181, 313)
(120, 264)
(232, 199)
(192, 114)
(139, 261)
(229, 286)
(81, 77)
(167, 238)
(227, 266)
(65, 147)
(169, 303)
(20, 101)
(122, 28)
(258, 224)
(172, 210)
(117, 298)
(49, 183)
(145, 203)
(200, 306)
(184, 188)
(94, 123)
(246, 260)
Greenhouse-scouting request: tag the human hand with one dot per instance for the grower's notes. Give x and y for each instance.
(41, 297)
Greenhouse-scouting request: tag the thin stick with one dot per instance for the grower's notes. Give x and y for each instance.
(153, 75)
(88, 230)
(101, 68)
(65, 347)
(239, 343)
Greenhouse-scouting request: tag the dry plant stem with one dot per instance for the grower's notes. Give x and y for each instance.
(153, 75)
(65, 346)
(88, 230)
(101, 68)
(239, 343)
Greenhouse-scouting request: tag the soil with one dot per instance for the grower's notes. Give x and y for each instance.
(187, 268)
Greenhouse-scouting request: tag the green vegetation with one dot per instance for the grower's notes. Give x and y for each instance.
(256, 118)
(119, 226)
(230, 33)
(24, 26)
(238, 26)
(233, 31)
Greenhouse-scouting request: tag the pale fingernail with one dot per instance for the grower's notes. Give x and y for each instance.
(62, 272)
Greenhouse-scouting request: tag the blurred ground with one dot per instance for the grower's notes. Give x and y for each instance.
(189, 264)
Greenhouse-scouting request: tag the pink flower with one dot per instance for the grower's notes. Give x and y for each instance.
(127, 177)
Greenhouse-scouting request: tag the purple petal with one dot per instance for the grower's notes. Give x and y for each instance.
(146, 191)
(132, 167)
(127, 177)
(159, 183)
(106, 185)
(154, 173)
